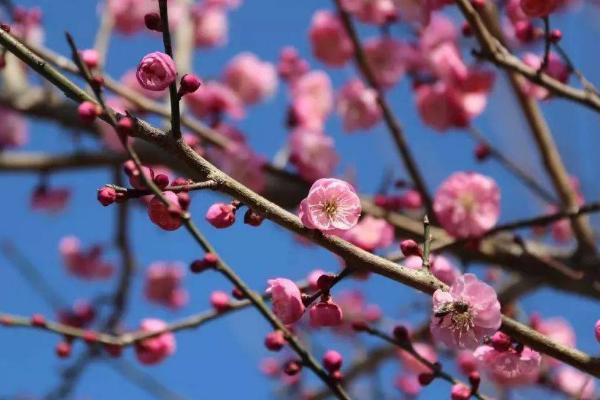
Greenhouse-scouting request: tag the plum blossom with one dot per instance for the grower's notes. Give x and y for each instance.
(214, 99)
(387, 58)
(376, 12)
(156, 71)
(251, 79)
(331, 206)
(441, 267)
(509, 367)
(463, 316)
(163, 284)
(155, 349)
(312, 153)
(83, 264)
(413, 365)
(539, 8)
(556, 68)
(558, 330)
(312, 100)
(291, 66)
(13, 131)
(286, 300)
(329, 40)
(128, 15)
(51, 200)
(210, 26)
(467, 204)
(325, 313)
(357, 105)
(165, 216)
(574, 383)
(370, 233)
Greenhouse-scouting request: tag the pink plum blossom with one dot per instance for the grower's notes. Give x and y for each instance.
(377, 12)
(221, 215)
(51, 200)
(539, 8)
(156, 71)
(467, 204)
(312, 153)
(291, 66)
(251, 79)
(155, 349)
(574, 383)
(128, 15)
(556, 68)
(331, 206)
(386, 57)
(312, 99)
(286, 300)
(510, 367)
(413, 365)
(165, 216)
(357, 105)
(441, 267)
(210, 26)
(83, 264)
(370, 233)
(213, 99)
(328, 38)
(13, 130)
(131, 82)
(463, 316)
(408, 384)
(163, 284)
(325, 313)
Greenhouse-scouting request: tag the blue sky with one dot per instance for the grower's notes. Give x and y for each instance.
(220, 359)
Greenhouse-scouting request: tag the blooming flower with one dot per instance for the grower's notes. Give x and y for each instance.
(377, 12)
(467, 313)
(156, 71)
(87, 265)
(155, 349)
(210, 26)
(558, 330)
(441, 267)
(163, 215)
(575, 384)
(358, 107)
(13, 130)
(291, 66)
(329, 40)
(556, 68)
(221, 215)
(286, 300)
(510, 367)
(386, 56)
(312, 99)
(370, 233)
(214, 98)
(467, 204)
(250, 78)
(331, 206)
(408, 384)
(415, 366)
(312, 153)
(163, 284)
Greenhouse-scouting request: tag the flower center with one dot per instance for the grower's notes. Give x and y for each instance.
(330, 208)
(461, 317)
(467, 200)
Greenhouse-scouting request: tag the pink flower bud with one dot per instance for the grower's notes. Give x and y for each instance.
(221, 215)
(90, 58)
(410, 248)
(125, 126)
(460, 392)
(135, 178)
(162, 181)
(286, 300)
(220, 301)
(156, 349)
(325, 313)
(189, 84)
(63, 349)
(252, 218)
(162, 215)
(597, 330)
(107, 196)
(501, 342)
(156, 71)
(332, 361)
(275, 341)
(88, 111)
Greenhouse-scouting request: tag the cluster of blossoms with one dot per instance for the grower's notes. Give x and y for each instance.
(88, 265)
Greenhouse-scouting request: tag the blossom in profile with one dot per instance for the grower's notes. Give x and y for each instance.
(155, 349)
(466, 314)
(357, 105)
(387, 59)
(210, 26)
(467, 204)
(509, 367)
(331, 206)
(286, 300)
(329, 40)
(163, 284)
(250, 78)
